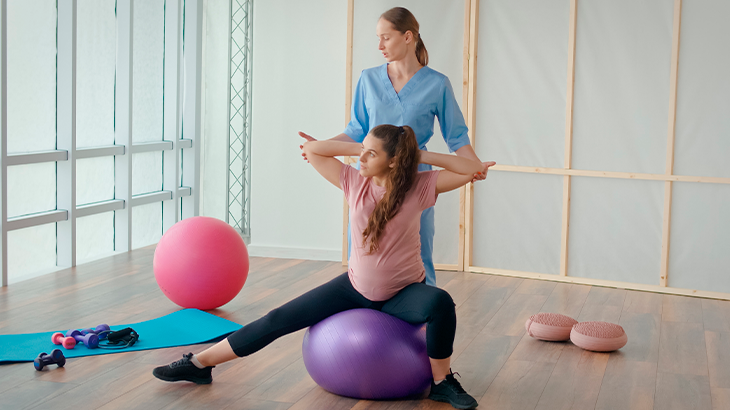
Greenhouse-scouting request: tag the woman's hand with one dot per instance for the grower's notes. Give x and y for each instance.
(307, 138)
(480, 176)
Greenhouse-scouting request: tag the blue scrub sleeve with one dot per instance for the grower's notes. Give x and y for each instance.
(451, 120)
(358, 127)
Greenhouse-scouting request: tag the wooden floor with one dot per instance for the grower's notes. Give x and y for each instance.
(677, 357)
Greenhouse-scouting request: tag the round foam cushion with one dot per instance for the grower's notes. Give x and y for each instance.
(552, 327)
(598, 336)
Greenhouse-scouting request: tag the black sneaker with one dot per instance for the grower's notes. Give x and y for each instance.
(450, 391)
(184, 369)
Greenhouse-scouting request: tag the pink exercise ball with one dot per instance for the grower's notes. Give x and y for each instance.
(201, 263)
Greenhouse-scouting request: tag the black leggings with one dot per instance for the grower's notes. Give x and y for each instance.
(416, 303)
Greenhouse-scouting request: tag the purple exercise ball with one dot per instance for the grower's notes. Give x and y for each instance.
(367, 354)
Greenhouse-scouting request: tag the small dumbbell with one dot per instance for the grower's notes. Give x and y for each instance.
(102, 331)
(43, 359)
(59, 339)
(90, 340)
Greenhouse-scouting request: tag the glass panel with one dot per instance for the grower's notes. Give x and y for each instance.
(94, 180)
(31, 252)
(146, 224)
(94, 236)
(146, 172)
(149, 48)
(95, 70)
(31, 75)
(31, 189)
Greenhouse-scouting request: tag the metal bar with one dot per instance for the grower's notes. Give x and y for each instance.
(41, 218)
(184, 143)
(4, 141)
(228, 115)
(123, 125)
(191, 106)
(150, 198)
(95, 152)
(171, 112)
(249, 115)
(66, 132)
(99, 207)
(37, 157)
(184, 191)
(151, 146)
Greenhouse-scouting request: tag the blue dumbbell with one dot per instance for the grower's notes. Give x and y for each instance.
(90, 340)
(102, 331)
(43, 359)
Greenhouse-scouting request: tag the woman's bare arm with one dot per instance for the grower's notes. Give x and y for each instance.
(458, 171)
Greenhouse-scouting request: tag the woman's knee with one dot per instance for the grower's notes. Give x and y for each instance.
(441, 301)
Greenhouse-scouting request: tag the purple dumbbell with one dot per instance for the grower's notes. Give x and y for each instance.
(102, 331)
(43, 359)
(90, 340)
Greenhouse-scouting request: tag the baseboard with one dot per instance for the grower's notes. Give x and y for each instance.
(295, 253)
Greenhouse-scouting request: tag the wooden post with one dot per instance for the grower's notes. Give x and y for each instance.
(348, 107)
(666, 219)
(568, 139)
(471, 123)
(465, 108)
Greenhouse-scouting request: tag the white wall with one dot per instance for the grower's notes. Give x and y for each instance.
(299, 59)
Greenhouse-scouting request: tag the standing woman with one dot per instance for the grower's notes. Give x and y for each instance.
(405, 91)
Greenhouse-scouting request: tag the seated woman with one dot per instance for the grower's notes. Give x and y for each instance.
(386, 198)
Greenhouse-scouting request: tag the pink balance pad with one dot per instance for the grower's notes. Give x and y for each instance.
(552, 327)
(598, 336)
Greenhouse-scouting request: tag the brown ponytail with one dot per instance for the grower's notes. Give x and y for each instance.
(398, 142)
(403, 20)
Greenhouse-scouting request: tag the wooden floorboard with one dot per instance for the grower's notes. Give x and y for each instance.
(677, 355)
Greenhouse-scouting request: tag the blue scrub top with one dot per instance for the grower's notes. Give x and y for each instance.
(426, 95)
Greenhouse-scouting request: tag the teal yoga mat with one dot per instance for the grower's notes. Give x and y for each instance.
(184, 327)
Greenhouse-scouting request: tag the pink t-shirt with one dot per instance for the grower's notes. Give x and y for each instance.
(397, 263)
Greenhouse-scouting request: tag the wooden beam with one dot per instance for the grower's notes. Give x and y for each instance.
(471, 123)
(610, 174)
(348, 107)
(447, 266)
(601, 282)
(565, 230)
(667, 214)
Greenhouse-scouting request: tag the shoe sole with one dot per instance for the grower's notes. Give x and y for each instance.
(195, 380)
(445, 399)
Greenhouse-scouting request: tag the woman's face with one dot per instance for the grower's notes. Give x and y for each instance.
(374, 161)
(391, 42)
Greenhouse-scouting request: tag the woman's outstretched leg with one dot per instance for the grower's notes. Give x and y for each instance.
(334, 296)
(421, 303)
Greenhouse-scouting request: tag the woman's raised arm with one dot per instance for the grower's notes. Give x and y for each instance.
(321, 154)
(458, 171)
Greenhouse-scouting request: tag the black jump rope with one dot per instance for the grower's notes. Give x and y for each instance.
(118, 339)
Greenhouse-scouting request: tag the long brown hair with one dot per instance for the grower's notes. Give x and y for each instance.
(398, 142)
(403, 20)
